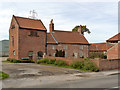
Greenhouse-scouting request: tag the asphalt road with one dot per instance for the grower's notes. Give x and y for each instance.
(99, 82)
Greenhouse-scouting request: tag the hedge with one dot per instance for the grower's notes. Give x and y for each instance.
(12, 60)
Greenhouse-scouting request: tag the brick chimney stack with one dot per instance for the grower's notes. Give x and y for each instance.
(80, 29)
(51, 26)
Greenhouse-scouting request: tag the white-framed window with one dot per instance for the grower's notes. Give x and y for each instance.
(30, 53)
(75, 55)
(53, 47)
(65, 46)
(81, 47)
(66, 54)
(14, 53)
(53, 54)
(81, 54)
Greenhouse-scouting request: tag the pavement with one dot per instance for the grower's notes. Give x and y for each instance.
(40, 76)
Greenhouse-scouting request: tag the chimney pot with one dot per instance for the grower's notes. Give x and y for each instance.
(51, 26)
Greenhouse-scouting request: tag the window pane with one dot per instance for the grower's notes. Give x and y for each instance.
(30, 54)
(14, 53)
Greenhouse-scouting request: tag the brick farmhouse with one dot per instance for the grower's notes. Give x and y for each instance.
(28, 38)
(74, 44)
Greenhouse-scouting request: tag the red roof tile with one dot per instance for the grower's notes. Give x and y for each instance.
(100, 47)
(115, 38)
(30, 23)
(50, 39)
(69, 37)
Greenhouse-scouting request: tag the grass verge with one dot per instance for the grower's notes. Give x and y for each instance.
(3, 75)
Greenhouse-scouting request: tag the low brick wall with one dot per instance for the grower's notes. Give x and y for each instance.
(102, 64)
(109, 64)
(68, 60)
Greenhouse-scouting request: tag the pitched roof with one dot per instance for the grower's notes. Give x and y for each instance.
(100, 47)
(115, 38)
(68, 37)
(50, 38)
(29, 23)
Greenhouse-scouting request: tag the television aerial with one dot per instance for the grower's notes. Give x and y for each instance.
(33, 14)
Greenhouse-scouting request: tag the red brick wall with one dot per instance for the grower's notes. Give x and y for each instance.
(114, 52)
(67, 60)
(24, 43)
(31, 43)
(106, 64)
(13, 33)
(70, 50)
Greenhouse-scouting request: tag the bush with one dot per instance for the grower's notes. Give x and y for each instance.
(44, 60)
(90, 66)
(77, 64)
(60, 63)
(84, 65)
(52, 61)
(26, 61)
(12, 60)
(15, 61)
(9, 59)
(97, 55)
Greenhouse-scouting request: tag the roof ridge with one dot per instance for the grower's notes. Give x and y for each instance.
(113, 36)
(65, 31)
(99, 43)
(27, 18)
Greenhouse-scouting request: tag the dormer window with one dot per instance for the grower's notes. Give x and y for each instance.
(13, 26)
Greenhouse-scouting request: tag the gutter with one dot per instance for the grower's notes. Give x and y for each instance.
(54, 38)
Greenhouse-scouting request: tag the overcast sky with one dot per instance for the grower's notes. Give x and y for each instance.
(100, 17)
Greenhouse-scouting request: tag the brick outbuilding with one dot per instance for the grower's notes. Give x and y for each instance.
(114, 52)
(27, 37)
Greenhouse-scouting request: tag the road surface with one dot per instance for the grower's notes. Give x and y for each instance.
(99, 82)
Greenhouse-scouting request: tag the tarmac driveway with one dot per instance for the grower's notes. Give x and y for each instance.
(28, 74)
(28, 70)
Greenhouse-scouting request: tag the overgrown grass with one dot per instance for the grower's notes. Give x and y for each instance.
(84, 65)
(3, 75)
(5, 61)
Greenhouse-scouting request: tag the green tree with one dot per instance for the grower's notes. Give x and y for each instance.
(84, 29)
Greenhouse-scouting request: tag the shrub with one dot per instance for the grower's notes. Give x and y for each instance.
(84, 65)
(105, 56)
(12, 60)
(90, 66)
(86, 58)
(44, 60)
(52, 61)
(77, 64)
(8, 59)
(26, 61)
(60, 63)
(97, 55)
(15, 61)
